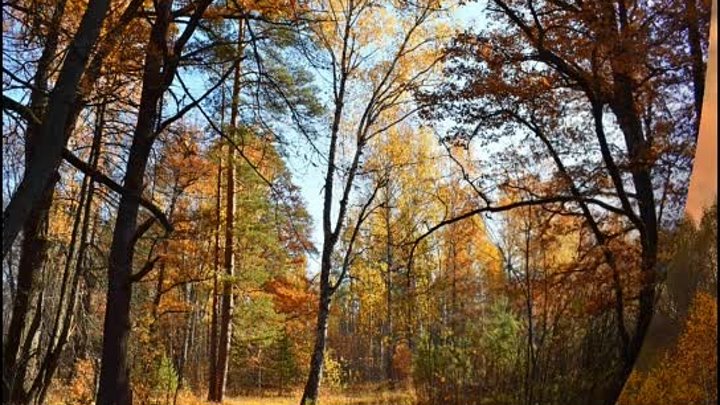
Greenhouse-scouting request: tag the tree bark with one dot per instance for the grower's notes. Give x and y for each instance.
(50, 141)
(212, 366)
(158, 73)
(33, 245)
(32, 257)
(226, 313)
(114, 386)
(389, 333)
(696, 54)
(310, 394)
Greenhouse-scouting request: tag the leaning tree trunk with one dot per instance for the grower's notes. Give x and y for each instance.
(50, 139)
(312, 387)
(33, 246)
(63, 324)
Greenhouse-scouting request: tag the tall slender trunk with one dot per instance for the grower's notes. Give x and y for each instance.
(63, 324)
(530, 353)
(389, 327)
(188, 339)
(212, 364)
(330, 235)
(226, 313)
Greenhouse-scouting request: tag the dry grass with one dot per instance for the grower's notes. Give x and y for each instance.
(367, 398)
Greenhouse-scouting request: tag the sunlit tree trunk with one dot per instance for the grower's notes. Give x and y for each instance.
(389, 327)
(226, 312)
(212, 364)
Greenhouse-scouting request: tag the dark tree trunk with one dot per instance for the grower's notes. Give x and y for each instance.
(114, 386)
(310, 394)
(622, 104)
(158, 73)
(51, 138)
(31, 258)
(33, 246)
(696, 53)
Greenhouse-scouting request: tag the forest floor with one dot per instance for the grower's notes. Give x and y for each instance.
(367, 398)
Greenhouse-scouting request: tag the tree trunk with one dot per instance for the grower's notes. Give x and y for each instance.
(31, 258)
(530, 353)
(696, 53)
(33, 246)
(114, 387)
(389, 334)
(61, 330)
(226, 313)
(623, 106)
(50, 140)
(212, 366)
(310, 394)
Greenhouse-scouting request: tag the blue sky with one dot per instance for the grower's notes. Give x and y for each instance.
(310, 179)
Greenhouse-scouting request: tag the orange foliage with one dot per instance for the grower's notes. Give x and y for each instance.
(688, 372)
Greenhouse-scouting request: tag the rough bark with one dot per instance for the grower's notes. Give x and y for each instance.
(32, 256)
(114, 386)
(158, 73)
(696, 54)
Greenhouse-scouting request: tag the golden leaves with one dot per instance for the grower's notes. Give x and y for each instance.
(688, 372)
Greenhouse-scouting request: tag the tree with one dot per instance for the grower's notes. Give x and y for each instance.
(50, 138)
(343, 35)
(158, 73)
(515, 76)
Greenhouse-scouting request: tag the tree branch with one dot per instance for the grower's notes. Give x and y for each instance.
(111, 184)
(147, 268)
